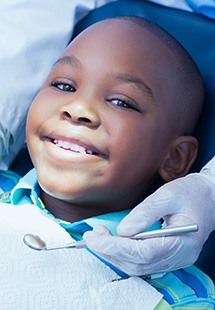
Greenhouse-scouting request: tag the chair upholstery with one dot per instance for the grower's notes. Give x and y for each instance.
(197, 34)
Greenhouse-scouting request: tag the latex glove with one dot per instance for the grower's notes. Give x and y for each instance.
(183, 201)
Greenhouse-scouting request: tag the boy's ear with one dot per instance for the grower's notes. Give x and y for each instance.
(179, 158)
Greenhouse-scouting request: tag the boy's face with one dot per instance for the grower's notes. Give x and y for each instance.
(97, 131)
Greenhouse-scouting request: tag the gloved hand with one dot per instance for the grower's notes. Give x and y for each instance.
(187, 200)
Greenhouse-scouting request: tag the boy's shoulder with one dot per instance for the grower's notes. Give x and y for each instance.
(8, 179)
(16, 189)
(189, 287)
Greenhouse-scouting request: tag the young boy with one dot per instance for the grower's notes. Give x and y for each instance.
(115, 115)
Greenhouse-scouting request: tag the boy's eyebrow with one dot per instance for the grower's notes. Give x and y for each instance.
(69, 60)
(136, 81)
(73, 61)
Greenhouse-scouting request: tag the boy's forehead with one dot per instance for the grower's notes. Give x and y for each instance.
(119, 32)
(124, 45)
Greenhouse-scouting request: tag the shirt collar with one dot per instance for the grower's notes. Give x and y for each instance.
(23, 190)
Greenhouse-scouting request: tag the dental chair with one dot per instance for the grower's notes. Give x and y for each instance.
(197, 34)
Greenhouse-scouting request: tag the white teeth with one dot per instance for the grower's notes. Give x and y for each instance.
(72, 146)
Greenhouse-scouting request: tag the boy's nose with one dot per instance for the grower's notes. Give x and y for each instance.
(81, 112)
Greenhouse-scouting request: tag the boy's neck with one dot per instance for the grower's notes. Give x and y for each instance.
(67, 211)
(72, 212)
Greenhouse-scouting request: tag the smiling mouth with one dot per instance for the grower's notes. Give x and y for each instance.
(74, 147)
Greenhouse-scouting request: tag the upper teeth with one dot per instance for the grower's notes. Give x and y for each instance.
(72, 146)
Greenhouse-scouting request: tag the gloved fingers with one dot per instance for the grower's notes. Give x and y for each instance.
(138, 267)
(139, 257)
(106, 244)
(109, 249)
(160, 204)
(146, 251)
(129, 268)
(102, 230)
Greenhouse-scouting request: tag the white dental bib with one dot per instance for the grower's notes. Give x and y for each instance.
(62, 279)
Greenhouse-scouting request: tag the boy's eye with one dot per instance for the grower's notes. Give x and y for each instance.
(66, 87)
(124, 104)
